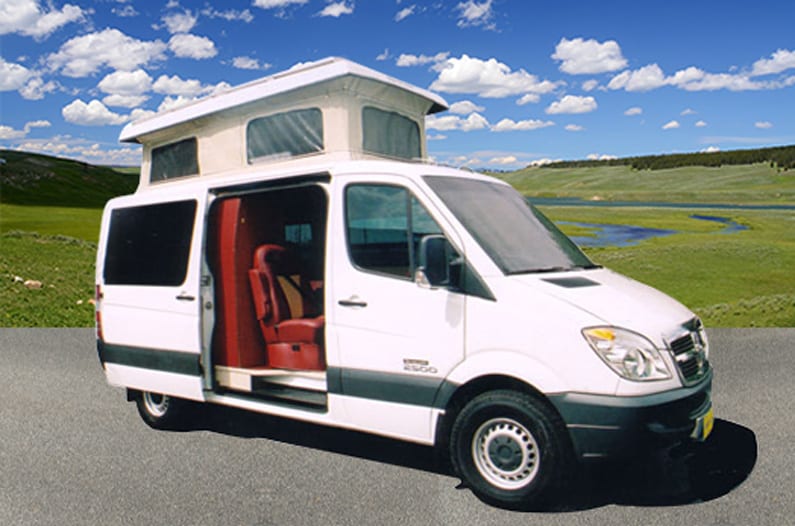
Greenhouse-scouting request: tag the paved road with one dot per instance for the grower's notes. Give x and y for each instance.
(72, 451)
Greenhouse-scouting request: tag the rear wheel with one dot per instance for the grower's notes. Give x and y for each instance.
(161, 411)
(510, 449)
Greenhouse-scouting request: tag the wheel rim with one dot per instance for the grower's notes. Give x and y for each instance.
(155, 404)
(505, 453)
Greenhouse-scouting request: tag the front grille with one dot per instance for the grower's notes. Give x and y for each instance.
(690, 353)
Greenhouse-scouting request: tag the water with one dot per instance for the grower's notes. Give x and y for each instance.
(607, 235)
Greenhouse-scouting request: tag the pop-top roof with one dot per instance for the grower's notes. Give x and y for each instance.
(297, 77)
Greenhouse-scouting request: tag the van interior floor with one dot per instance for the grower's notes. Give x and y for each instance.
(305, 388)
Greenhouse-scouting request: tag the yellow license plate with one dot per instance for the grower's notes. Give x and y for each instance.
(704, 426)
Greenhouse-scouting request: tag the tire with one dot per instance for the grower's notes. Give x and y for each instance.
(511, 450)
(161, 411)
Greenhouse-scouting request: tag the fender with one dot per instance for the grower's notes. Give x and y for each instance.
(503, 362)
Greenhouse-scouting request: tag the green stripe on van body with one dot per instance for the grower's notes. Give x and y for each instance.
(158, 359)
(390, 387)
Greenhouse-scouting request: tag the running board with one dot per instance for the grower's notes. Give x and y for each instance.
(305, 388)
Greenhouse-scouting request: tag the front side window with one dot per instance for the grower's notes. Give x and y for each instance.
(285, 135)
(384, 226)
(149, 245)
(391, 134)
(179, 159)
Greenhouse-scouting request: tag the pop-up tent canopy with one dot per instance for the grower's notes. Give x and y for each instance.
(331, 107)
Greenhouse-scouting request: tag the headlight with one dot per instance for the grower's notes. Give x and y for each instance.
(629, 354)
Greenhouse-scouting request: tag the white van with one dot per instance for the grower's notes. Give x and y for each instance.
(288, 252)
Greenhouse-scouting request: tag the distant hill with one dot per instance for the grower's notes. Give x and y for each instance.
(35, 179)
(780, 157)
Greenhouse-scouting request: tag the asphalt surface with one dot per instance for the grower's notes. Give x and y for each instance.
(73, 451)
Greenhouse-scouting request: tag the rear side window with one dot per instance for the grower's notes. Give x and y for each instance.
(389, 133)
(179, 159)
(285, 135)
(149, 245)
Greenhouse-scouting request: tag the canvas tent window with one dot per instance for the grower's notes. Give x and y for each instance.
(288, 134)
(390, 133)
(171, 161)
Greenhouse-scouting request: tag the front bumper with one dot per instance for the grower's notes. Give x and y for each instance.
(612, 426)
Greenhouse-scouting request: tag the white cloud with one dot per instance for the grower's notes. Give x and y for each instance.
(28, 18)
(277, 4)
(192, 46)
(92, 114)
(700, 124)
(180, 22)
(543, 162)
(688, 111)
(763, 125)
(81, 56)
(337, 9)
(230, 15)
(572, 104)
(405, 13)
(127, 83)
(504, 160)
(83, 150)
(510, 125)
(125, 101)
(671, 125)
(249, 63)
(8, 133)
(474, 14)
(635, 110)
(13, 76)
(465, 107)
(580, 56)
(644, 79)
(710, 149)
(435, 137)
(487, 78)
(600, 157)
(530, 98)
(125, 11)
(169, 103)
(590, 85)
(174, 85)
(36, 88)
(779, 61)
(474, 121)
(406, 60)
(383, 56)
(574, 128)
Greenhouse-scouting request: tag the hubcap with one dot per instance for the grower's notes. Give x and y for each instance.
(156, 404)
(505, 453)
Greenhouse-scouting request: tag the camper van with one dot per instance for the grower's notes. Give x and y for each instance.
(290, 251)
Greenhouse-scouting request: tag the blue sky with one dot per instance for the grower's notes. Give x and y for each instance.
(528, 81)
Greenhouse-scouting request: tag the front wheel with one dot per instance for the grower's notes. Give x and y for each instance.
(510, 449)
(161, 411)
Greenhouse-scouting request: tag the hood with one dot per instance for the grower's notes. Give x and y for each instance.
(614, 299)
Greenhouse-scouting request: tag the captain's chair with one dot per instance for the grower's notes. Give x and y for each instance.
(291, 343)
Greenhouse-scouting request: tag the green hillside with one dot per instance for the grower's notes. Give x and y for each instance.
(33, 179)
(745, 183)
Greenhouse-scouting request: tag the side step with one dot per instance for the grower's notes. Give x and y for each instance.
(304, 388)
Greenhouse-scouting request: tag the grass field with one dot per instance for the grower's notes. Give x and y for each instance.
(754, 183)
(732, 280)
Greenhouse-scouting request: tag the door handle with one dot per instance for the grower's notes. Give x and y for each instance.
(186, 297)
(353, 302)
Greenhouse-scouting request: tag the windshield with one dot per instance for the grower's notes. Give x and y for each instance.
(514, 233)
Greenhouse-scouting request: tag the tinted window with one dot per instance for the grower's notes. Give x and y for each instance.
(149, 245)
(286, 134)
(389, 133)
(515, 234)
(179, 159)
(384, 227)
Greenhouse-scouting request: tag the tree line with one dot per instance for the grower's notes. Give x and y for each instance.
(780, 157)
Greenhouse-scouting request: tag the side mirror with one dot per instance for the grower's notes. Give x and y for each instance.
(434, 262)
